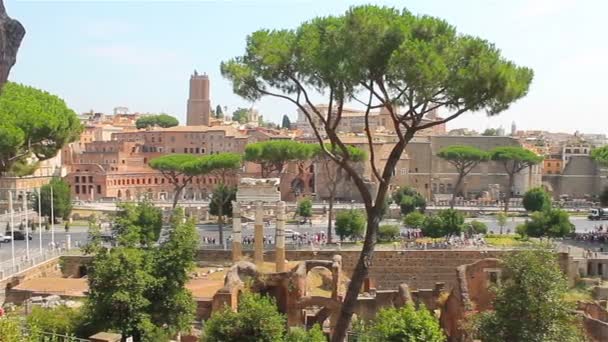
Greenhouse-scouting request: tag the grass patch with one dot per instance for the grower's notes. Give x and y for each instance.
(580, 292)
(507, 240)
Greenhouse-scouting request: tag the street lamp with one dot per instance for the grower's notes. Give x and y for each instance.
(12, 218)
(39, 221)
(52, 220)
(27, 231)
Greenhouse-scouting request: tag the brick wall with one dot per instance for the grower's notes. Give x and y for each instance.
(419, 269)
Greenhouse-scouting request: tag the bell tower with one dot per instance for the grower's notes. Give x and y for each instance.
(199, 104)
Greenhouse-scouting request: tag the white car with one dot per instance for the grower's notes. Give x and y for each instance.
(5, 238)
(292, 234)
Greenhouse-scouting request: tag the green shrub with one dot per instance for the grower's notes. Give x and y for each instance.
(388, 233)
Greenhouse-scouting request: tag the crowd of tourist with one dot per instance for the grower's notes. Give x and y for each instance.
(598, 234)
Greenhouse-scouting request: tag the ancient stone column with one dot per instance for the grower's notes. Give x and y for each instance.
(258, 235)
(237, 238)
(280, 237)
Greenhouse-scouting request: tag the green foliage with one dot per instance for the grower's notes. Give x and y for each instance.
(33, 123)
(490, 132)
(402, 324)
(221, 200)
(388, 233)
(272, 155)
(257, 320)
(59, 320)
(218, 112)
(10, 329)
(444, 223)
(414, 219)
(138, 224)
(462, 156)
(62, 199)
(240, 115)
(171, 303)
(350, 223)
(140, 291)
(600, 155)
(514, 158)
(536, 199)
(175, 163)
(477, 227)
(532, 289)
(501, 219)
(315, 334)
(304, 208)
(409, 200)
(604, 197)
(549, 223)
(160, 120)
(286, 123)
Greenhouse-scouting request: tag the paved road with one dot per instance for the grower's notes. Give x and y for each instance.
(76, 237)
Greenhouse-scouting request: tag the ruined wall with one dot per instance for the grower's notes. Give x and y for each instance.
(419, 269)
(49, 268)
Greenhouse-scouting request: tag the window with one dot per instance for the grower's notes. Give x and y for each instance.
(548, 164)
(416, 170)
(84, 189)
(90, 179)
(99, 189)
(198, 150)
(77, 189)
(172, 150)
(76, 179)
(185, 150)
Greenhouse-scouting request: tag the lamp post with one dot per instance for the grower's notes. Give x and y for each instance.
(39, 221)
(52, 220)
(12, 218)
(27, 231)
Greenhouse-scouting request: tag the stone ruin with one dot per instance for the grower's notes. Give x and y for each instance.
(290, 290)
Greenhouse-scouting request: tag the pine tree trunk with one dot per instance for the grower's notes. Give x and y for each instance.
(456, 190)
(359, 274)
(508, 193)
(330, 217)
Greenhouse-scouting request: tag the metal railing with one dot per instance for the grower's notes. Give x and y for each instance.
(9, 268)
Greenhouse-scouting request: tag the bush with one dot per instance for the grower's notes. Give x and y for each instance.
(388, 233)
(414, 219)
(550, 223)
(403, 324)
(257, 319)
(409, 200)
(446, 222)
(476, 227)
(59, 320)
(536, 199)
(350, 223)
(305, 208)
(315, 334)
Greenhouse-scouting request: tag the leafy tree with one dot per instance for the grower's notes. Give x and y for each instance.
(477, 227)
(178, 169)
(415, 219)
(222, 166)
(532, 289)
(34, 126)
(62, 199)
(286, 122)
(334, 175)
(490, 132)
(138, 224)
(119, 281)
(304, 208)
(444, 223)
(218, 112)
(604, 197)
(501, 219)
(388, 233)
(403, 324)
(350, 223)
(297, 334)
(600, 155)
(384, 58)
(464, 159)
(256, 320)
(514, 159)
(273, 155)
(160, 120)
(536, 199)
(409, 200)
(140, 291)
(550, 223)
(172, 304)
(221, 205)
(240, 115)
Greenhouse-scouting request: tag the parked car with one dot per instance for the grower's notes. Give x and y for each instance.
(5, 238)
(21, 235)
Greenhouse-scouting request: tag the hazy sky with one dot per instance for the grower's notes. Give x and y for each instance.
(140, 54)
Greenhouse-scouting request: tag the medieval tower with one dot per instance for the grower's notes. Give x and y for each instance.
(199, 104)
